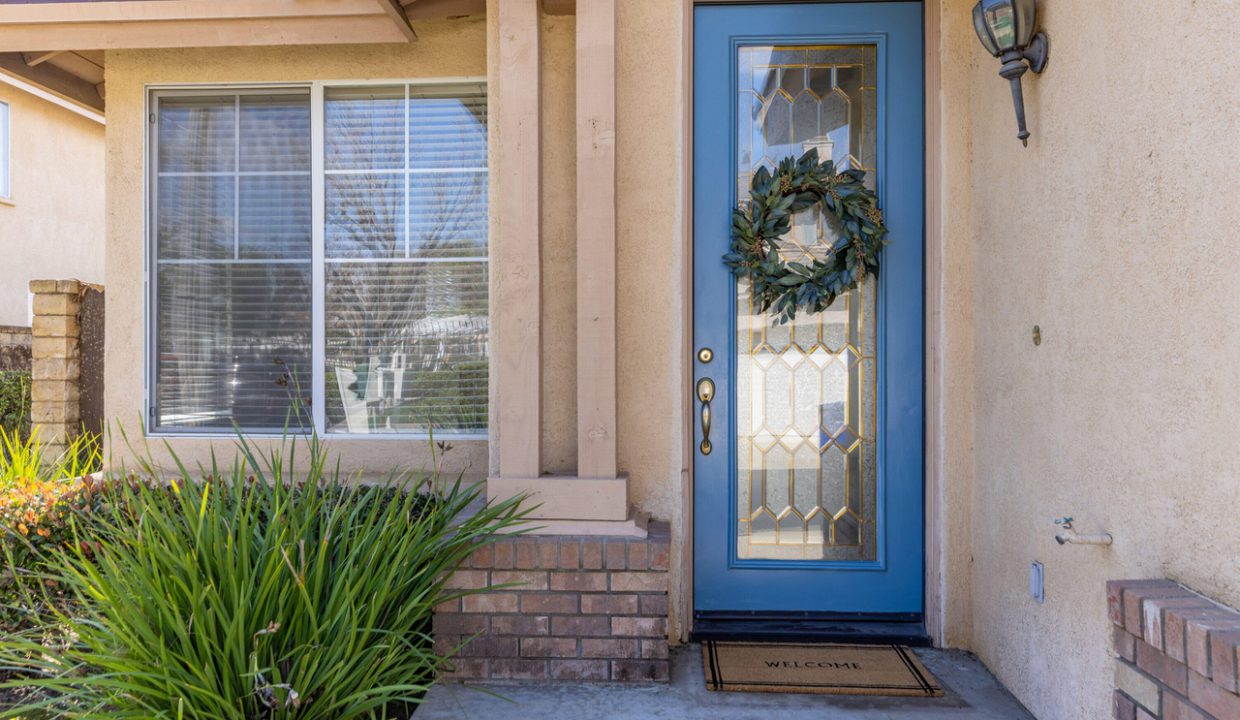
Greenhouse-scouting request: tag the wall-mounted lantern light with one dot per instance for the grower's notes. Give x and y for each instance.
(1006, 29)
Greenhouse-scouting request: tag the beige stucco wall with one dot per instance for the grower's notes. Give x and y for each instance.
(53, 228)
(1113, 231)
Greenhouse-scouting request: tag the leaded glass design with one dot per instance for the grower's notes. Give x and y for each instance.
(806, 393)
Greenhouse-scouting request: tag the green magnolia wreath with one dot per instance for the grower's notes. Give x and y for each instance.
(785, 288)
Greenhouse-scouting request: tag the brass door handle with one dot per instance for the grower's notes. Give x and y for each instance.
(705, 393)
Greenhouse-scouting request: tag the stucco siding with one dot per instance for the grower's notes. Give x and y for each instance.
(1113, 231)
(54, 226)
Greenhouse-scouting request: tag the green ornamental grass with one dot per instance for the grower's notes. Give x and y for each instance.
(270, 587)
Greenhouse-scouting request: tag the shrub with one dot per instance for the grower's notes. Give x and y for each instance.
(15, 402)
(265, 588)
(38, 496)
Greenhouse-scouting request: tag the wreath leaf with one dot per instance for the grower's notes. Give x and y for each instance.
(798, 184)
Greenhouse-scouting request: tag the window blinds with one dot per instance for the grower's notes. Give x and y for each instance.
(405, 274)
(406, 254)
(232, 235)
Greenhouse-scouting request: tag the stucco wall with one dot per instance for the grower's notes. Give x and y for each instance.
(54, 227)
(1113, 231)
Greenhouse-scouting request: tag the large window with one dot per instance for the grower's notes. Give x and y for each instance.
(339, 280)
(6, 189)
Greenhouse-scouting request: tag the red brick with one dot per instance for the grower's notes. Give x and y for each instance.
(639, 627)
(456, 624)
(548, 553)
(492, 602)
(449, 606)
(1123, 708)
(1176, 709)
(548, 647)
(1115, 603)
(579, 669)
(654, 605)
(579, 581)
(549, 603)
(639, 556)
(467, 580)
(639, 670)
(613, 648)
(659, 554)
(609, 604)
(1175, 632)
(1223, 648)
(483, 557)
(592, 554)
(616, 552)
(518, 669)
(580, 626)
(1123, 643)
(525, 556)
(1171, 673)
(1212, 698)
(1154, 614)
(1197, 640)
(525, 625)
(655, 649)
(466, 668)
(528, 580)
(490, 647)
(570, 553)
(1135, 596)
(503, 555)
(446, 645)
(639, 582)
(1143, 714)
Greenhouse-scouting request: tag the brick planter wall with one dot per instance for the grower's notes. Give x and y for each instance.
(586, 608)
(1176, 653)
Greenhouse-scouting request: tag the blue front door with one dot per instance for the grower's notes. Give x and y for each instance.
(810, 497)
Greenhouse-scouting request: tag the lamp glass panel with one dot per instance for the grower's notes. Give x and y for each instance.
(1001, 20)
(1026, 19)
(983, 32)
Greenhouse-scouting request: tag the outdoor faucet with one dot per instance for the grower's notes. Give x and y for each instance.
(1069, 535)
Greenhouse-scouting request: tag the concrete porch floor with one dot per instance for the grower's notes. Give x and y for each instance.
(970, 693)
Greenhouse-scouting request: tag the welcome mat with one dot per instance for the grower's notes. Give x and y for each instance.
(819, 669)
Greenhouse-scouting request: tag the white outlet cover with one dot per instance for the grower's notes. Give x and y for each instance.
(1037, 588)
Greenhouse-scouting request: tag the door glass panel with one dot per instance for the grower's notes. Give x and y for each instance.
(806, 408)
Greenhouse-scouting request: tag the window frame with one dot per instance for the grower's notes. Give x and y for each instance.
(6, 153)
(318, 346)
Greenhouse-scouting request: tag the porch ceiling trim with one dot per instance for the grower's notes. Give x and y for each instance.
(54, 81)
(47, 27)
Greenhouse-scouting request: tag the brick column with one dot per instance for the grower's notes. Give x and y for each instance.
(569, 608)
(55, 362)
(1177, 653)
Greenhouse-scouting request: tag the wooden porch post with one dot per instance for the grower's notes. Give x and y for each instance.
(596, 238)
(594, 500)
(516, 193)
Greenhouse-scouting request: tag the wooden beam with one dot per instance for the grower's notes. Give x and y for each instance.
(516, 174)
(596, 239)
(53, 80)
(88, 12)
(309, 30)
(396, 12)
(33, 59)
